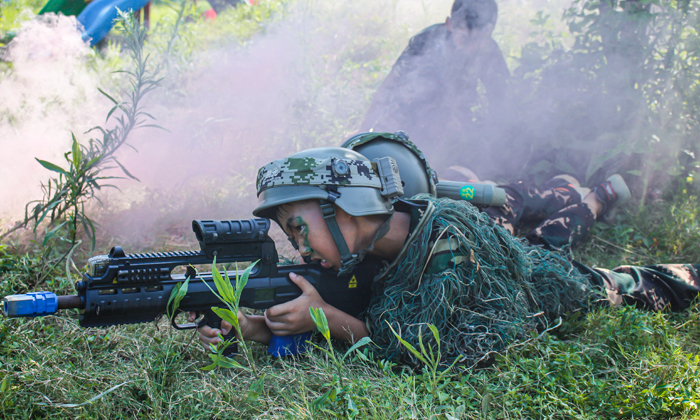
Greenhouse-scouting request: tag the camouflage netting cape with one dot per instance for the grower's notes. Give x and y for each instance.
(490, 290)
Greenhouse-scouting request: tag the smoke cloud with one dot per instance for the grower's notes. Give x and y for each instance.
(307, 80)
(50, 91)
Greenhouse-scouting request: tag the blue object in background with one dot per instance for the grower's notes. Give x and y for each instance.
(98, 17)
(288, 345)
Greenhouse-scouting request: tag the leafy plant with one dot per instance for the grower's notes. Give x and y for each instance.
(176, 296)
(430, 357)
(65, 196)
(619, 95)
(321, 322)
(231, 297)
(338, 389)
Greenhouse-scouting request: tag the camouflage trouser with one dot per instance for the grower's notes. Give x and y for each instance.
(564, 221)
(557, 206)
(653, 287)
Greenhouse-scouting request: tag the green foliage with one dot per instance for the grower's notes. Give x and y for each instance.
(180, 32)
(615, 362)
(338, 389)
(231, 297)
(63, 206)
(22, 272)
(618, 92)
(178, 292)
(664, 230)
(430, 358)
(13, 13)
(321, 322)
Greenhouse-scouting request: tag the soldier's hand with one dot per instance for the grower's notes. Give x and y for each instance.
(293, 317)
(210, 336)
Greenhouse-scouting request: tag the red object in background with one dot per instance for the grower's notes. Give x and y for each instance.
(146, 15)
(210, 14)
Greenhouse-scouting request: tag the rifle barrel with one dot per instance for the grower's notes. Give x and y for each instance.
(69, 302)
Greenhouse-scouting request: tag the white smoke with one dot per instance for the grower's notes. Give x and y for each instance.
(48, 92)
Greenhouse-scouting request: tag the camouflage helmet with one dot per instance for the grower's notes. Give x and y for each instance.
(343, 176)
(334, 176)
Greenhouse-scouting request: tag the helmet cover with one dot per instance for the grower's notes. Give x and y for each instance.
(340, 175)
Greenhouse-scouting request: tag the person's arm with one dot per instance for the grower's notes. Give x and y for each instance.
(343, 326)
(494, 74)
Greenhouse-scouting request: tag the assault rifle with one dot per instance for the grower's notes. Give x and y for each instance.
(121, 288)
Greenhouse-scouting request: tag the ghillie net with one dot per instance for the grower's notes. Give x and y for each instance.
(490, 290)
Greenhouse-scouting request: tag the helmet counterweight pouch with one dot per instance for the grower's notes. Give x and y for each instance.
(388, 171)
(417, 175)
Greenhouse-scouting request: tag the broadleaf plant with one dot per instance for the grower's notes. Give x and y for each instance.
(430, 357)
(231, 298)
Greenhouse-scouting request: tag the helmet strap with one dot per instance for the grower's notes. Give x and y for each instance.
(348, 261)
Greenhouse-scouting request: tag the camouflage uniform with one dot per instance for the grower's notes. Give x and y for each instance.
(653, 287)
(479, 286)
(564, 220)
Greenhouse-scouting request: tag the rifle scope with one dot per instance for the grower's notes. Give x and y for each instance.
(211, 232)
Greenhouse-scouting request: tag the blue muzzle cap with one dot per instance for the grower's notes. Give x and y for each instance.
(30, 304)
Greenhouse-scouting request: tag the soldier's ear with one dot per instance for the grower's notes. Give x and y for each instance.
(448, 24)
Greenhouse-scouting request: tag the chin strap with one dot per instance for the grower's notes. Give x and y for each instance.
(348, 261)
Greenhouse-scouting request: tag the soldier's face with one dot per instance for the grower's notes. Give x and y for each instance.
(461, 37)
(468, 40)
(303, 222)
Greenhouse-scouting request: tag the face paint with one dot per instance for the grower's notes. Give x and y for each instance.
(304, 224)
(304, 228)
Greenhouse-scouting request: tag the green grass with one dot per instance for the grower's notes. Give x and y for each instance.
(612, 363)
(615, 362)
(661, 231)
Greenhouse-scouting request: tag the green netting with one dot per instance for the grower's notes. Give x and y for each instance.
(501, 292)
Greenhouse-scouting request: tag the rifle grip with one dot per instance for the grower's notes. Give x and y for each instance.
(213, 321)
